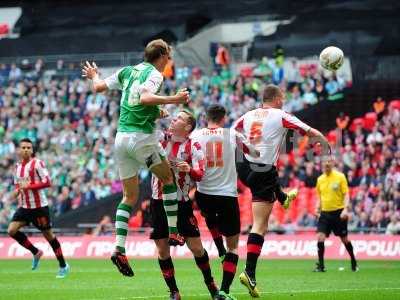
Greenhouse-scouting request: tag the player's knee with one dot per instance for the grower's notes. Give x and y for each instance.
(321, 237)
(48, 235)
(167, 179)
(129, 198)
(163, 253)
(197, 250)
(11, 231)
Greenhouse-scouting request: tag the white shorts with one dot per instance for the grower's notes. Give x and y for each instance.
(134, 150)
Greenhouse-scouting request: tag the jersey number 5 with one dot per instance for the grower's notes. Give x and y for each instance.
(214, 154)
(255, 132)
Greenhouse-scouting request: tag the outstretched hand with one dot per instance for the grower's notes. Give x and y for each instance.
(90, 71)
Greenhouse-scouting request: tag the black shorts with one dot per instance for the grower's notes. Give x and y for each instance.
(39, 217)
(187, 222)
(263, 180)
(330, 221)
(220, 210)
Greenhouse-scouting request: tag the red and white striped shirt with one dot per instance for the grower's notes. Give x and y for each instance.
(266, 129)
(34, 171)
(181, 150)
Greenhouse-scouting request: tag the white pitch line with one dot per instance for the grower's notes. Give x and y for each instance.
(270, 293)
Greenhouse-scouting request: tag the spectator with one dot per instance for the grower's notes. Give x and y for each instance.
(342, 121)
(379, 107)
(394, 226)
(105, 227)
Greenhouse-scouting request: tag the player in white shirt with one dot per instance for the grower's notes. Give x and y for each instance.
(266, 129)
(216, 194)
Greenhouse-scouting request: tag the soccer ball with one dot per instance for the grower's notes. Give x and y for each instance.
(331, 58)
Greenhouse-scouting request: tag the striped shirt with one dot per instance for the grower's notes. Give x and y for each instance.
(181, 150)
(34, 171)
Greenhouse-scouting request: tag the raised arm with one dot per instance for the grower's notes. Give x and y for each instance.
(291, 122)
(91, 72)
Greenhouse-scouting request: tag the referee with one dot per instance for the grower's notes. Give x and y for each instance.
(333, 192)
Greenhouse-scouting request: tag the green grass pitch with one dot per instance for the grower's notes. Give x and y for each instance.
(284, 279)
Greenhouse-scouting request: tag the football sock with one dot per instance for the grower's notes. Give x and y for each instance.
(217, 237)
(22, 239)
(349, 248)
(279, 194)
(254, 246)
(321, 250)
(170, 203)
(55, 244)
(121, 226)
(229, 270)
(168, 272)
(203, 263)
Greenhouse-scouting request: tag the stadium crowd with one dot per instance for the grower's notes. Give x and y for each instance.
(73, 130)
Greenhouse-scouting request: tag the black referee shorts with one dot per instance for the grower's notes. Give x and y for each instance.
(220, 210)
(263, 180)
(39, 217)
(330, 221)
(187, 222)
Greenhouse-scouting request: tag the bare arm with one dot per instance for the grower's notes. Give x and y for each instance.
(317, 137)
(147, 98)
(91, 72)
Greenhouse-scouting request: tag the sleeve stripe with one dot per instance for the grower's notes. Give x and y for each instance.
(290, 125)
(239, 125)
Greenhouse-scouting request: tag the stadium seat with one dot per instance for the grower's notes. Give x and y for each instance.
(370, 120)
(4, 29)
(395, 104)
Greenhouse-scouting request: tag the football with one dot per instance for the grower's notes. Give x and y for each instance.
(331, 58)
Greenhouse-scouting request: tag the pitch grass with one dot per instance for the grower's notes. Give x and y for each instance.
(285, 279)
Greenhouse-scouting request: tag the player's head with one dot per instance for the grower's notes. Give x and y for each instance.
(273, 96)
(157, 52)
(216, 114)
(25, 148)
(328, 163)
(183, 124)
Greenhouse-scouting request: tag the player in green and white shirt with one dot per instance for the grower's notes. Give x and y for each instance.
(136, 143)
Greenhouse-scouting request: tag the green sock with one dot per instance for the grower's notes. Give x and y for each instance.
(121, 226)
(170, 203)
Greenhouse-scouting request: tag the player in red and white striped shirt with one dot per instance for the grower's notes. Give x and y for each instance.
(187, 163)
(31, 178)
(266, 129)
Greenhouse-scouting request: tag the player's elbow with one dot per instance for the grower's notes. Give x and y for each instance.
(145, 99)
(99, 87)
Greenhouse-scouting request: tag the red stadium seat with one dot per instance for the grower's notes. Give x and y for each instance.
(356, 122)
(4, 29)
(395, 104)
(370, 120)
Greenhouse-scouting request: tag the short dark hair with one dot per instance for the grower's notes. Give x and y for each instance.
(155, 49)
(25, 140)
(192, 120)
(271, 91)
(215, 113)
